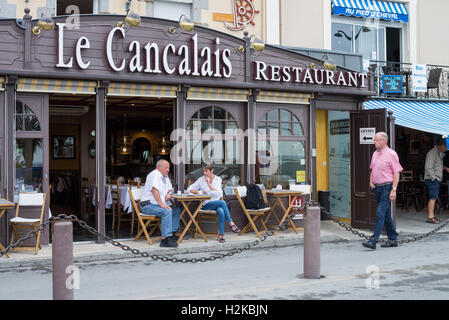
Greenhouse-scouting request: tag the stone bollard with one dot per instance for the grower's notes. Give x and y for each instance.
(312, 220)
(62, 259)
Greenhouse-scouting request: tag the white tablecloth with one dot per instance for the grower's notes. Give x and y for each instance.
(124, 197)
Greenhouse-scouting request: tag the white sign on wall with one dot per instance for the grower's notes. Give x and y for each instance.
(367, 135)
(419, 77)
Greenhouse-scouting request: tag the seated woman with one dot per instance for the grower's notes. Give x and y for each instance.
(210, 184)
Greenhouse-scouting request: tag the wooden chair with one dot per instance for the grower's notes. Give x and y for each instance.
(253, 215)
(153, 221)
(116, 204)
(123, 216)
(21, 223)
(86, 197)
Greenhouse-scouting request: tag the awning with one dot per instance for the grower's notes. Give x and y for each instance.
(217, 94)
(56, 86)
(284, 97)
(425, 116)
(371, 9)
(125, 89)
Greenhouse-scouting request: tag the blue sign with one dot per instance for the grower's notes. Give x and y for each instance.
(384, 10)
(392, 84)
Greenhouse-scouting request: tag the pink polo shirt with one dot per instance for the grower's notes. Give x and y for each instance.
(384, 165)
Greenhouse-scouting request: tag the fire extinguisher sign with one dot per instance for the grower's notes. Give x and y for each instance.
(297, 203)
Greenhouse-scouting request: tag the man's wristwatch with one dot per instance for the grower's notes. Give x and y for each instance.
(394, 188)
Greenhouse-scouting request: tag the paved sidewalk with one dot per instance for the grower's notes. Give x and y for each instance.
(409, 224)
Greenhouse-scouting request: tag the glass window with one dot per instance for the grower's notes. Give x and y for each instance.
(29, 165)
(224, 153)
(25, 118)
(278, 166)
(342, 37)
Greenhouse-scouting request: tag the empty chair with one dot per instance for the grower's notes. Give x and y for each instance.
(433, 82)
(19, 222)
(253, 215)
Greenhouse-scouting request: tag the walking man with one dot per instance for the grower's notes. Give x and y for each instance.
(384, 179)
(433, 174)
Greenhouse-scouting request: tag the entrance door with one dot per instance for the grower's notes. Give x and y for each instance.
(363, 203)
(31, 148)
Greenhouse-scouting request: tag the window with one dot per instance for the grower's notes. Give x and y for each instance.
(367, 40)
(281, 162)
(26, 120)
(85, 7)
(211, 123)
(171, 10)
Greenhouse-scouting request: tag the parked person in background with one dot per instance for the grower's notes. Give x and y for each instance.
(433, 175)
(155, 201)
(384, 179)
(210, 184)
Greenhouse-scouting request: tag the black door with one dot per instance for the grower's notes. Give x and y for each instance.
(363, 203)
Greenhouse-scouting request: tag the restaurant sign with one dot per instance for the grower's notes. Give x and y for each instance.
(204, 62)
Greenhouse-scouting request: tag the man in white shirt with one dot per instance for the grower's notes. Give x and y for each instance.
(210, 184)
(155, 201)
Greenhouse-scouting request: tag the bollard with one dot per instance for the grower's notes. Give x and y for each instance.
(312, 243)
(62, 258)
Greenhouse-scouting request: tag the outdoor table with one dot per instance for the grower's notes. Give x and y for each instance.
(4, 205)
(278, 194)
(185, 199)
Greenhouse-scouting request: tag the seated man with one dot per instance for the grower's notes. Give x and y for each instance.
(155, 202)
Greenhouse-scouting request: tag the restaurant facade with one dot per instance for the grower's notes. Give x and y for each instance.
(105, 99)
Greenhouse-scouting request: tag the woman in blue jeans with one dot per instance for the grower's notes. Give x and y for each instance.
(210, 184)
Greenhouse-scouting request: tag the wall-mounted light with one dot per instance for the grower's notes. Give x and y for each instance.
(132, 19)
(255, 44)
(184, 22)
(45, 23)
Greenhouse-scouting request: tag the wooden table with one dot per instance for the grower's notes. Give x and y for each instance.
(278, 194)
(185, 200)
(4, 205)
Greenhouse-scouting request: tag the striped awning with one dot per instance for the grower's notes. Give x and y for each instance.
(385, 10)
(125, 89)
(217, 94)
(56, 86)
(284, 97)
(428, 116)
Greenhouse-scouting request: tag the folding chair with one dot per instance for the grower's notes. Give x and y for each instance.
(116, 204)
(132, 185)
(20, 223)
(240, 192)
(135, 195)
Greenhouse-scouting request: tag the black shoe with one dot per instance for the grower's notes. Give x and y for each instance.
(169, 243)
(173, 237)
(369, 244)
(390, 244)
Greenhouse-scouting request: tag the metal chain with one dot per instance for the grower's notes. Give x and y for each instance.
(271, 231)
(83, 224)
(362, 235)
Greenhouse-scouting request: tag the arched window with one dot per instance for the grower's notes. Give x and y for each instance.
(141, 149)
(206, 143)
(280, 161)
(26, 120)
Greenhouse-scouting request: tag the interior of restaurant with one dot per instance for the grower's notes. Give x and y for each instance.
(412, 147)
(137, 136)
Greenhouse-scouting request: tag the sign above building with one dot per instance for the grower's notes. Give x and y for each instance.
(386, 10)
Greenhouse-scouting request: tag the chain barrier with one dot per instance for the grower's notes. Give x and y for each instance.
(271, 231)
(84, 225)
(362, 235)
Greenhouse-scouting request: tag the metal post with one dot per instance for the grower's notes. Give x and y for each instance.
(312, 242)
(62, 258)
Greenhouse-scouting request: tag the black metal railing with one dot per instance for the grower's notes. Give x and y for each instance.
(437, 80)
